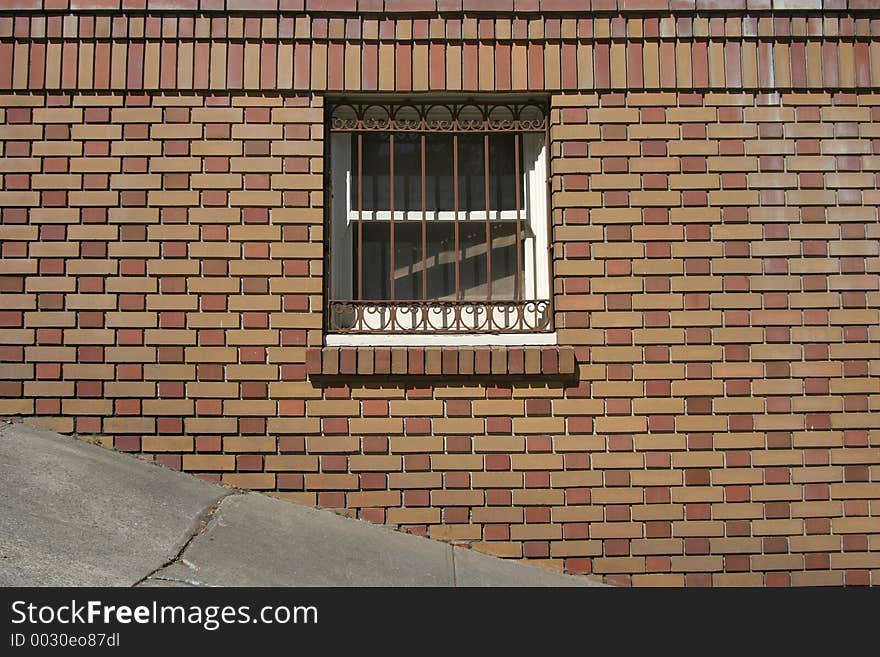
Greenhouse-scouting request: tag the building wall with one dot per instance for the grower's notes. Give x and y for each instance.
(710, 415)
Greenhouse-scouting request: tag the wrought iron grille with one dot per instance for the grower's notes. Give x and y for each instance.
(440, 243)
(440, 316)
(429, 116)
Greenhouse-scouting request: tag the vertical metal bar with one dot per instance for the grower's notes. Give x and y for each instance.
(360, 247)
(488, 223)
(517, 280)
(424, 222)
(391, 205)
(455, 211)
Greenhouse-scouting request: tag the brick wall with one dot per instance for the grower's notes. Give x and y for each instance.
(710, 416)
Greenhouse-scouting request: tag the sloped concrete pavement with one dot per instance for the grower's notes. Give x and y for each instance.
(75, 514)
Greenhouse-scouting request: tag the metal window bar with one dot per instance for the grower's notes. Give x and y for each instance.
(360, 210)
(517, 281)
(424, 176)
(426, 314)
(456, 227)
(391, 222)
(488, 224)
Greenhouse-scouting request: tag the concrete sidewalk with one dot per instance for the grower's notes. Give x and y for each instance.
(75, 514)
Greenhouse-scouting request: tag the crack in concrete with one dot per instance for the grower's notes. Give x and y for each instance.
(452, 559)
(203, 520)
(5, 425)
(188, 582)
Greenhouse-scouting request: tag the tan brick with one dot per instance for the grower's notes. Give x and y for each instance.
(326, 481)
(250, 480)
(462, 425)
(623, 424)
(577, 514)
(376, 425)
(455, 532)
(166, 407)
(855, 525)
(536, 532)
(856, 560)
(619, 565)
(697, 564)
(817, 578)
(417, 408)
(618, 460)
(780, 527)
(442, 462)
(216, 115)
(413, 516)
(209, 425)
(16, 406)
(508, 444)
(216, 181)
(617, 496)
(333, 408)
(576, 548)
(536, 461)
(208, 462)
(375, 463)
(496, 514)
(167, 443)
(575, 479)
(613, 115)
(694, 494)
(508, 549)
(498, 480)
(457, 498)
(249, 444)
(734, 511)
(57, 115)
(383, 498)
(291, 463)
(538, 496)
(543, 425)
(293, 425)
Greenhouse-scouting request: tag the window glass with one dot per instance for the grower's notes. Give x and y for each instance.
(439, 160)
(440, 260)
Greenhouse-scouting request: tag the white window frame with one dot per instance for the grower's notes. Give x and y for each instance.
(536, 261)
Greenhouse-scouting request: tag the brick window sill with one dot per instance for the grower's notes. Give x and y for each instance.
(521, 361)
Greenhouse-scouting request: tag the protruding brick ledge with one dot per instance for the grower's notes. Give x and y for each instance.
(523, 361)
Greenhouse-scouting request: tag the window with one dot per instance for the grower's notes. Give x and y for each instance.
(438, 219)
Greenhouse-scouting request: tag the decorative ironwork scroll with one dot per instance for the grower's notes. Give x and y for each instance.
(439, 316)
(432, 116)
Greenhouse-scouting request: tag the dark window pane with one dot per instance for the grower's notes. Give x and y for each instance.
(374, 171)
(471, 173)
(407, 171)
(473, 260)
(407, 261)
(502, 172)
(376, 261)
(440, 260)
(439, 168)
(377, 170)
(503, 260)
